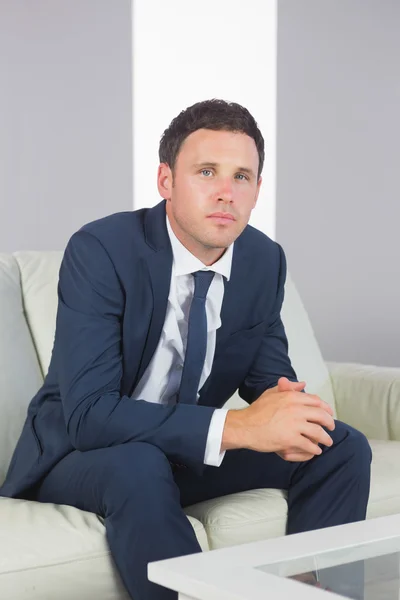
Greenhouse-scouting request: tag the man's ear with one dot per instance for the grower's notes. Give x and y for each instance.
(164, 181)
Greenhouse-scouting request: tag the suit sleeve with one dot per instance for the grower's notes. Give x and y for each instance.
(272, 360)
(89, 363)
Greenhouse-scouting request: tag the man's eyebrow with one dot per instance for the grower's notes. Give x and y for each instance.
(247, 170)
(205, 164)
(214, 165)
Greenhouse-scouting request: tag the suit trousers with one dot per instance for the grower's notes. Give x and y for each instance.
(141, 496)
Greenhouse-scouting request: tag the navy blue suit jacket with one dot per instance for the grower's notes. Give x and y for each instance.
(112, 298)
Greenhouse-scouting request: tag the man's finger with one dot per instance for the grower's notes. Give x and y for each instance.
(324, 404)
(314, 400)
(284, 385)
(296, 456)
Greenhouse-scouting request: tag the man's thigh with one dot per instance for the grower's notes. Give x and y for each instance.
(240, 471)
(82, 479)
(77, 480)
(243, 470)
(98, 479)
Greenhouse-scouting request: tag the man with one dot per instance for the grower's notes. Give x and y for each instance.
(163, 313)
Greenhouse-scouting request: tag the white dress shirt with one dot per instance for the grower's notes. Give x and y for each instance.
(161, 380)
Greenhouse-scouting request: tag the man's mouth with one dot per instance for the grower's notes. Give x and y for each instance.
(222, 216)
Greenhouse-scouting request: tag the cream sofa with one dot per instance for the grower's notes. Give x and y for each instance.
(50, 552)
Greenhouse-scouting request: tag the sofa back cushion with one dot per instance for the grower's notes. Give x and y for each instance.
(39, 279)
(20, 374)
(304, 351)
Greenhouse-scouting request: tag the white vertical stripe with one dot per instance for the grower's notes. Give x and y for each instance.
(184, 52)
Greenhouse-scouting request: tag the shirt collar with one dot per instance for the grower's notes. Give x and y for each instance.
(185, 262)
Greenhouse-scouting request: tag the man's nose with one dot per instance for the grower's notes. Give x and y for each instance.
(225, 191)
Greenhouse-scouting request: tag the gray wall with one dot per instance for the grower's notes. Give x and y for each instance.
(65, 118)
(338, 170)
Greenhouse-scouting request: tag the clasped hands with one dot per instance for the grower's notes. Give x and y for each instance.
(289, 423)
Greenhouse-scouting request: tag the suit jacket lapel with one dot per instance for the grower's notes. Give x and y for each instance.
(159, 264)
(234, 294)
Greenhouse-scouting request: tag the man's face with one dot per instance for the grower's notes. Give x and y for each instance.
(215, 172)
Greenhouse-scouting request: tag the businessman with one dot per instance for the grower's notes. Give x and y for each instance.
(162, 314)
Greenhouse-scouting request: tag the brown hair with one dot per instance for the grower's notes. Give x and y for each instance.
(217, 115)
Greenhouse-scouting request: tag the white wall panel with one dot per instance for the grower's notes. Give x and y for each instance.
(184, 52)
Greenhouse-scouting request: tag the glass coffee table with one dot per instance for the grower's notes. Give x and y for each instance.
(359, 561)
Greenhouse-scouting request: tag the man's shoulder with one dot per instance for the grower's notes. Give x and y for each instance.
(263, 253)
(119, 235)
(256, 241)
(116, 223)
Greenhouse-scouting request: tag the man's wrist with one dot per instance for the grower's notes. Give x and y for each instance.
(233, 436)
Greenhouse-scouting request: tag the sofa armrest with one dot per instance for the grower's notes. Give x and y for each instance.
(368, 398)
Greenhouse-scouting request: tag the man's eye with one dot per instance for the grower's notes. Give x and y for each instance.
(205, 171)
(243, 177)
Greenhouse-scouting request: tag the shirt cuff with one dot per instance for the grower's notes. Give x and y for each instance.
(213, 456)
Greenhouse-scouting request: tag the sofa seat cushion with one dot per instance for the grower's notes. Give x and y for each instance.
(47, 547)
(384, 498)
(243, 517)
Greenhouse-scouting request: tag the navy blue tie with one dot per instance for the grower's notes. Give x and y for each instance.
(196, 346)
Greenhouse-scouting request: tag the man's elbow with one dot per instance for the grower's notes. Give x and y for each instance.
(84, 430)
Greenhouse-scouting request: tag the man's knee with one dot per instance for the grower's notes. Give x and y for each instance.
(138, 460)
(354, 444)
(136, 475)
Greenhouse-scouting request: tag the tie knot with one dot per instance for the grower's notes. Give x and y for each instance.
(202, 282)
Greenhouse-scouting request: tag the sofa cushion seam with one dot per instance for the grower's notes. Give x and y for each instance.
(57, 564)
(244, 523)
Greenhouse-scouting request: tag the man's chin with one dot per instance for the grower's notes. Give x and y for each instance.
(220, 239)
(217, 244)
